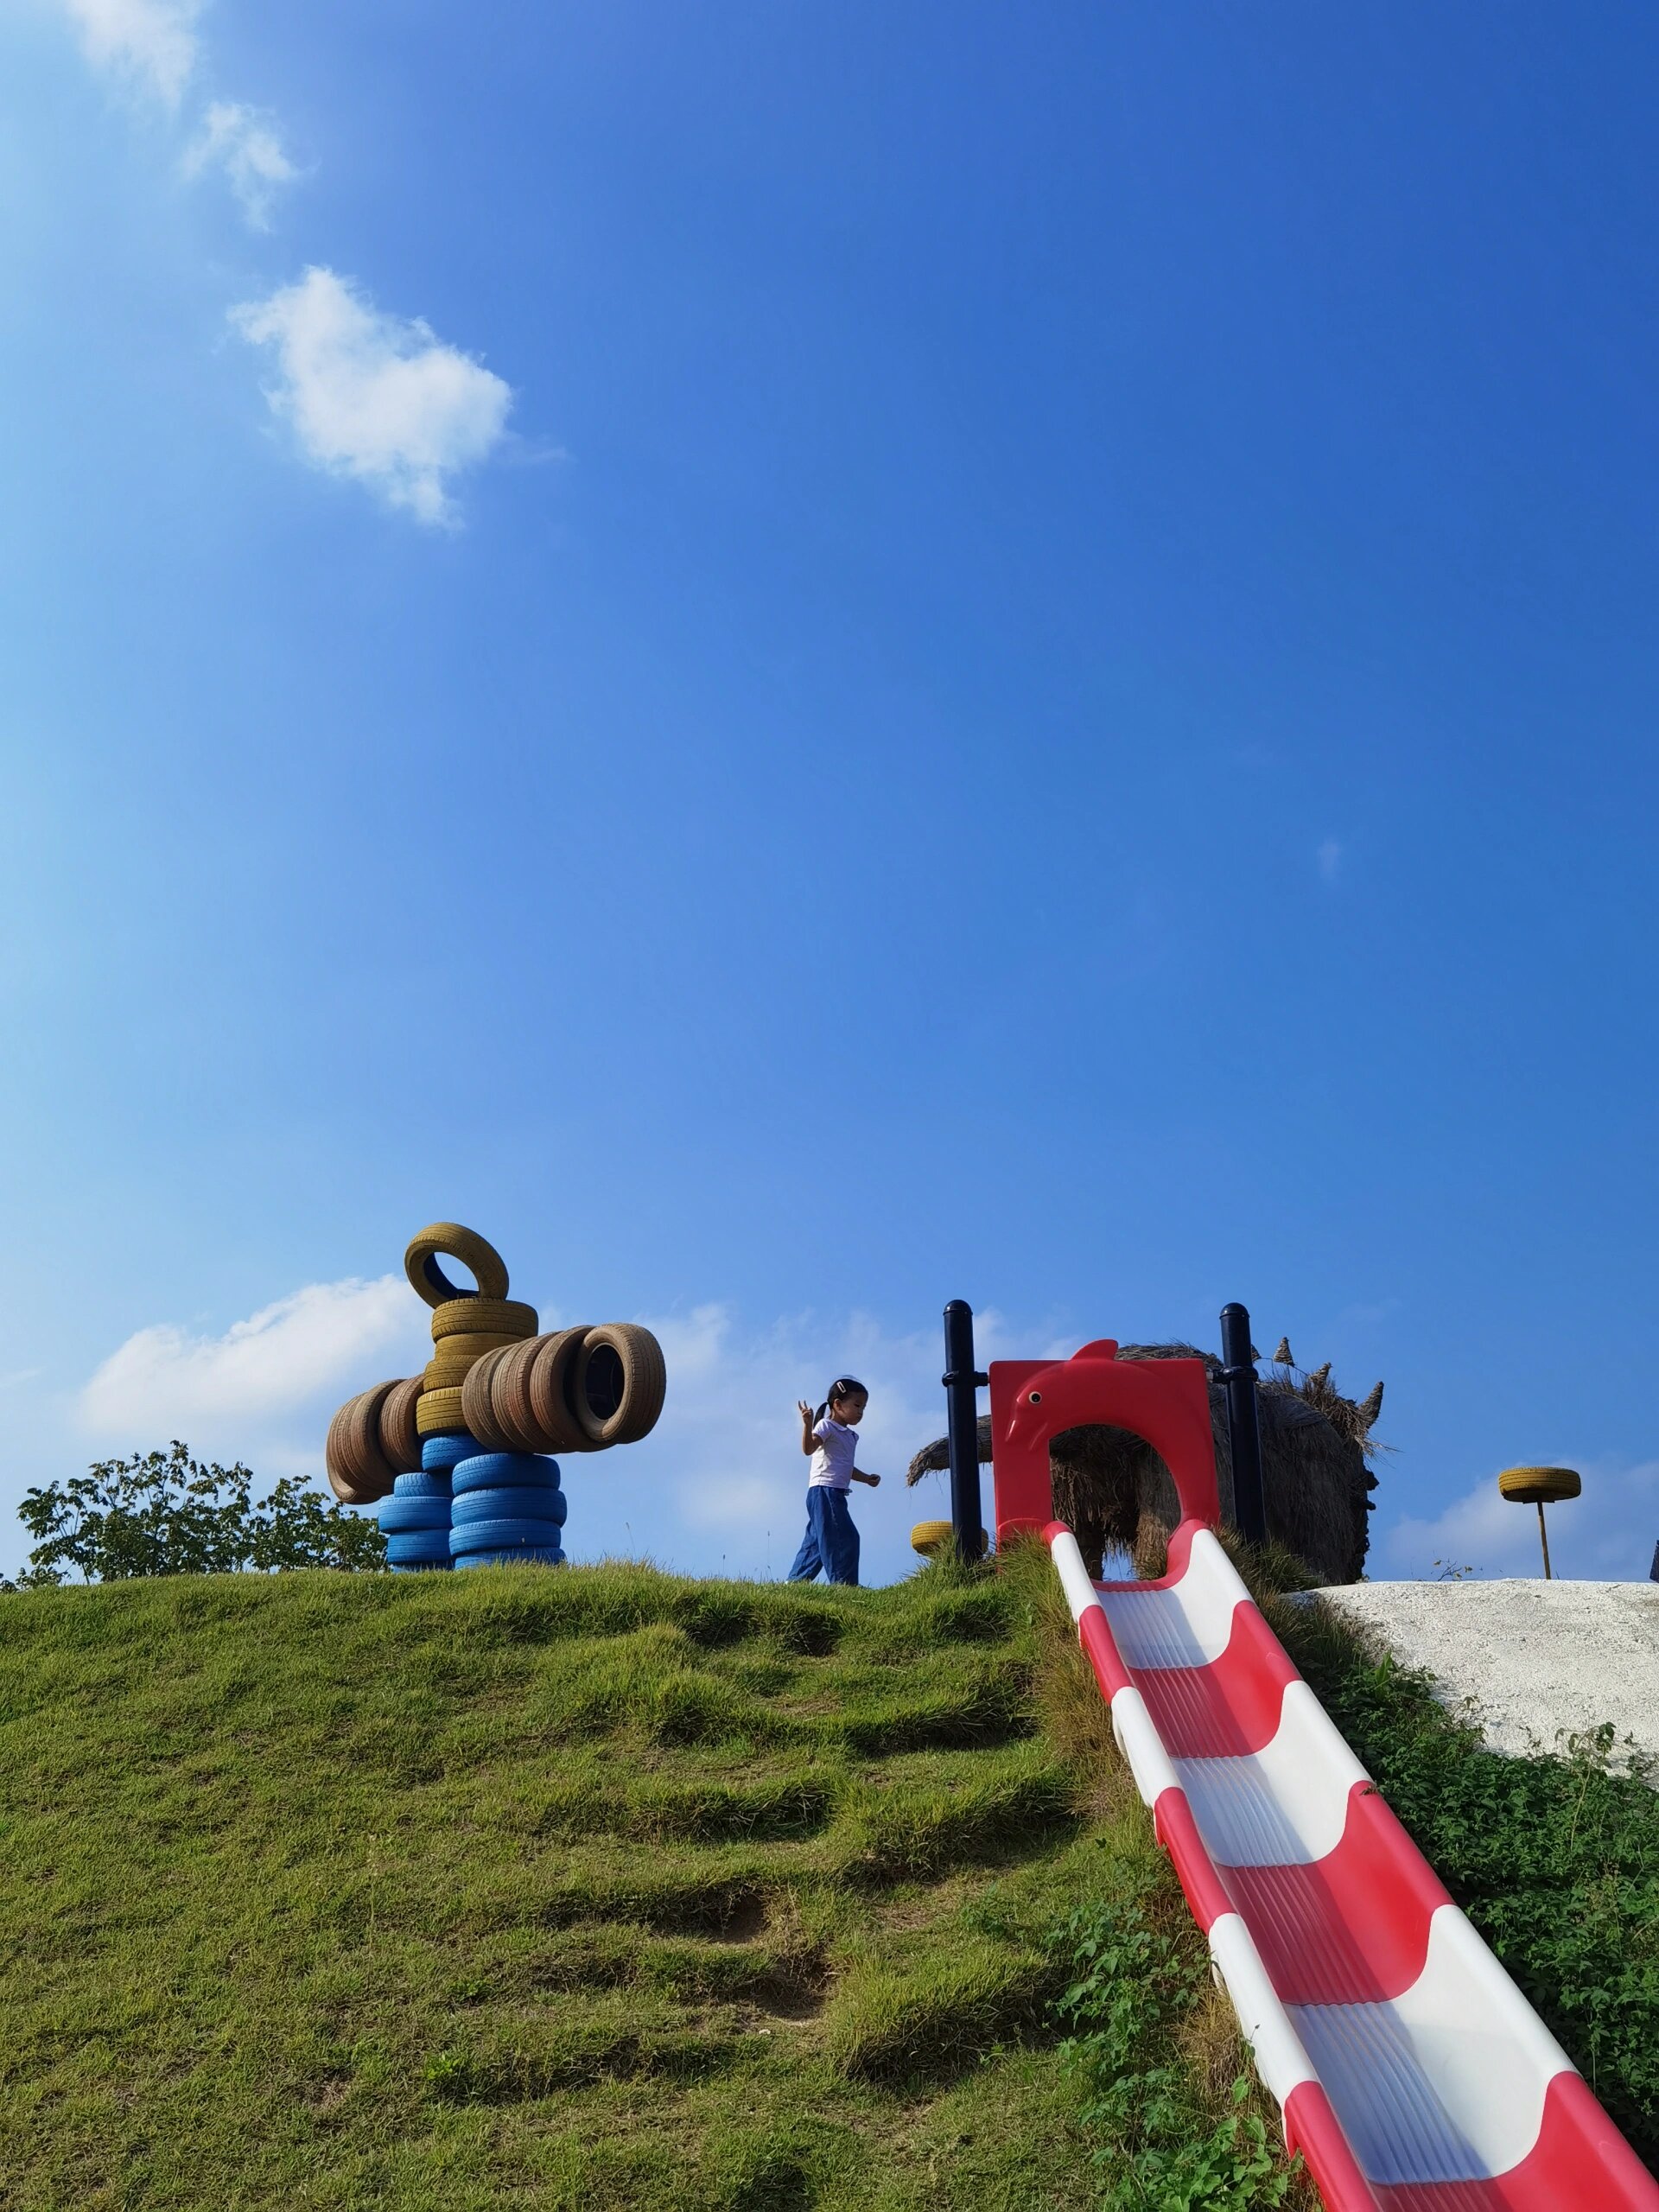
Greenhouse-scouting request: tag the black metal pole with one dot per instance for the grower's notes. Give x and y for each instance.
(963, 1383)
(1243, 1427)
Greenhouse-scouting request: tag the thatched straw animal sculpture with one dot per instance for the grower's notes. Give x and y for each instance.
(1115, 1492)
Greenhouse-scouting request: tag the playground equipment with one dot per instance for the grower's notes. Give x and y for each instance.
(461, 1453)
(1410, 2072)
(1539, 1486)
(1296, 1458)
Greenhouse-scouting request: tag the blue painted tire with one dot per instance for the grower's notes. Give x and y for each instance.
(421, 1485)
(502, 1536)
(403, 1515)
(418, 1548)
(505, 1471)
(539, 1555)
(548, 1506)
(443, 1451)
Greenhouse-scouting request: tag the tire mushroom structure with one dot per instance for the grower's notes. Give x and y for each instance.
(460, 1458)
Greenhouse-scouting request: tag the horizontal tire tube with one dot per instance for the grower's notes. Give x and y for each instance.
(620, 1381)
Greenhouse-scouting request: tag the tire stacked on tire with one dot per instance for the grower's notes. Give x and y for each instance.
(461, 1456)
(465, 1326)
(507, 1507)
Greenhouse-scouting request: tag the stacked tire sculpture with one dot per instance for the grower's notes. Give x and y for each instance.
(460, 1454)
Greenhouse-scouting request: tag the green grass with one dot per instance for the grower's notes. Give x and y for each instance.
(599, 1888)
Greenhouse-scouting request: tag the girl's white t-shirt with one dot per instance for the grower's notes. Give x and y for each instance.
(832, 1463)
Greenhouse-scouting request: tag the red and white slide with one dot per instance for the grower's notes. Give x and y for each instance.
(1411, 2074)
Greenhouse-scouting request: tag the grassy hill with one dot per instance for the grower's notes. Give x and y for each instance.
(604, 1888)
(594, 1888)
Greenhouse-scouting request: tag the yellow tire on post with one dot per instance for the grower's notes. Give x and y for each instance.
(438, 1411)
(1539, 1485)
(620, 1383)
(506, 1319)
(449, 1240)
(444, 1372)
(932, 1538)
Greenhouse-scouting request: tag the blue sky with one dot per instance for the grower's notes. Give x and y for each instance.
(808, 659)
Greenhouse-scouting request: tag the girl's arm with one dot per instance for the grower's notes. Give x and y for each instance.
(809, 1442)
(859, 1476)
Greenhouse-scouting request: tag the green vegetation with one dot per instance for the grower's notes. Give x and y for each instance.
(165, 1513)
(1554, 1858)
(611, 1888)
(600, 1888)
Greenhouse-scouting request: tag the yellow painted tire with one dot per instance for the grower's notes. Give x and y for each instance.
(468, 1345)
(448, 1240)
(443, 1372)
(932, 1537)
(438, 1410)
(1539, 1485)
(505, 1318)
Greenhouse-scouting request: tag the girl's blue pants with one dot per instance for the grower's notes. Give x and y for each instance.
(831, 1541)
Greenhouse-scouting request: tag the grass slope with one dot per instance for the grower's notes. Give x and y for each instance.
(600, 1888)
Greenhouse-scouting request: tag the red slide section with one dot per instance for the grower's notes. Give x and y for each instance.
(1411, 2074)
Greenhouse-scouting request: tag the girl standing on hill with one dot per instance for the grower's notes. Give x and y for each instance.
(829, 1439)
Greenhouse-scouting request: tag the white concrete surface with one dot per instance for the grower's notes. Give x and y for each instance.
(1532, 1660)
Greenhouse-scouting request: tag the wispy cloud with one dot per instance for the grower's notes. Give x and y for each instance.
(1607, 1534)
(268, 1383)
(372, 397)
(1329, 860)
(150, 44)
(247, 146)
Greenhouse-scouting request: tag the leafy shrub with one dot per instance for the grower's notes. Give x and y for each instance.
(165, 1513)
(1132, 1986)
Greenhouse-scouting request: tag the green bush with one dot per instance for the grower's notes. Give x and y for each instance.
(165, 1513)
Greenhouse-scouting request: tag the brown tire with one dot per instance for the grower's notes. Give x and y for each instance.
(477, 1411)
(510, 1397)
(343, 1478)
(449, 1240)
(400, 1441)
(438, 1411)
(509, 1318)
(363, 1457)
(620, 1383)
(552, 1378)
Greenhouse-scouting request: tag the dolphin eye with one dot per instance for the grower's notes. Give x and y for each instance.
(1036, 1397)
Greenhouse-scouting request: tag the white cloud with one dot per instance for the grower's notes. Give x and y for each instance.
(151, 42)
(1329, 857)
(244, 143)
(374, 397)
(1607, 1534)
(268, 1385)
